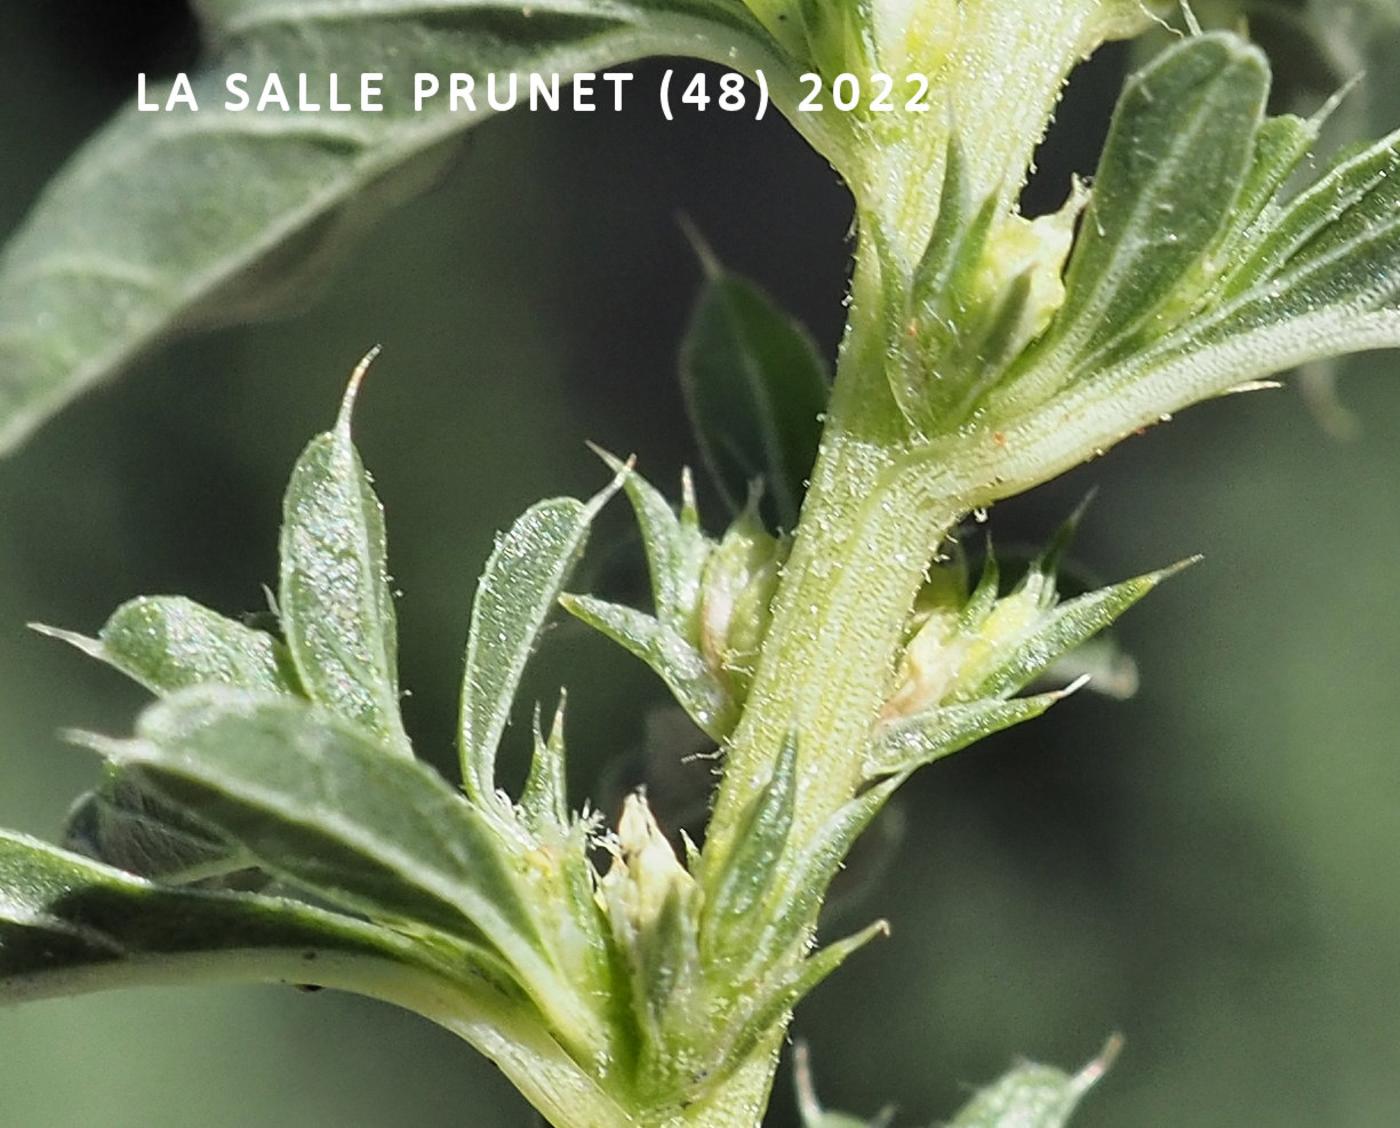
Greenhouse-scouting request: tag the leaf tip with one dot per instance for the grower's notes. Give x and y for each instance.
(352, 389)
(704, 253)
(90, 646)
(1092, 1073)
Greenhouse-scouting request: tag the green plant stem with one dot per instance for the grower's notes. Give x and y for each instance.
(870, 525)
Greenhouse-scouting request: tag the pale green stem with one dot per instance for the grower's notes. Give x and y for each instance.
(869, 527)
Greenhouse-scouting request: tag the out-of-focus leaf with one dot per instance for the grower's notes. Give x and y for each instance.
(519, 588)
(810, 1109)
(129, 826)
(755, 387)
(337, 607)
(168, 220)
(69, 925)
(680, 665)
(1034, 1096)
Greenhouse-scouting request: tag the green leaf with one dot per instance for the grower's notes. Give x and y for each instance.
(696, 687)
(1060, 631)
(748, 870)
(318, 804)
(676, 547)
(1339, 222)
(337, 607)
(791, 912)
(176, 220)
(519, 588)
(755, 388)
(920, 740)
(545, 799)
(1034, 1096)
(69, 925)
(167, 643)
(795, 984)
(1177, 153)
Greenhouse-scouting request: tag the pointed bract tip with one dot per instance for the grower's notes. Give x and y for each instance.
(104, 746)
(1092, 1073)
(89, 646)
(1074, 687)
(1329, 107)
(352, 389)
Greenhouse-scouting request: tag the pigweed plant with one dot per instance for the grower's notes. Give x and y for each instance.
(268, 820)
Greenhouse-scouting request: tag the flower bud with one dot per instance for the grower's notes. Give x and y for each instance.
(644, 872)
(736, 595)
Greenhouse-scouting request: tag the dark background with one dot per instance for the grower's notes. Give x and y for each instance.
(1208, 868)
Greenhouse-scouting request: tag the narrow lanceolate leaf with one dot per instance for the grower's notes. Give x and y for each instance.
(1064, 628)
(781, 996)
(676, 547)
(1034, 1096)
(755, 388)
(172, 220)
(168, 643)
(544, 800)
(337, 607)
(796, 901)
(920, 740)
(319, 804)
(519, 588)
(748, 871)
(69, 925)
(680, 665)
(1341, 221)
(1177, 153)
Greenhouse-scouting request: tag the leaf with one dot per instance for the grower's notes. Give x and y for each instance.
(519, 588)
(1034, 1096)
(1062, 630)
(749, 869)
(318, 804)
(168, 221)
(680, 665)
(779, 997)
(69, 925)
(1350, 210)
(1177, 153)
(544, 801)
(755, 389)
(792, 910)
(337, 608)
(676, 547)
(167, 643)
(920, 740)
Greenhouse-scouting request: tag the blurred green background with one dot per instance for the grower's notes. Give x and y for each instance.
(1209, 868)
